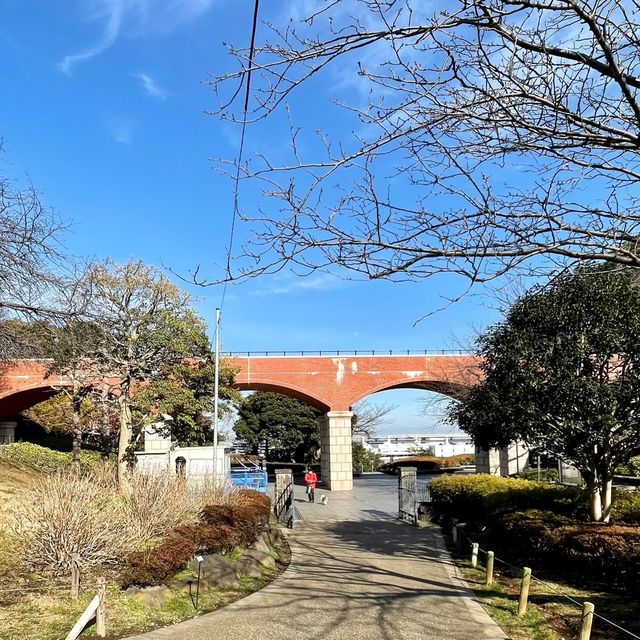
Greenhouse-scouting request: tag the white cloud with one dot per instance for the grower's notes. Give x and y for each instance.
(137, 16)
(113, 14)
(121, 129)
(296, 284)
(150, 85)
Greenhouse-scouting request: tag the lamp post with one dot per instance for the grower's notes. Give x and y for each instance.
(216, 382)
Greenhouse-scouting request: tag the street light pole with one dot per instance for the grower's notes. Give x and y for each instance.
(216, 382)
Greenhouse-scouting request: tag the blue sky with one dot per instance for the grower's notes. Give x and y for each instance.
(103, 109)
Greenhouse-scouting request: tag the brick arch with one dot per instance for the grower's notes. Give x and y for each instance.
(450, 389)
(16, 401)
(285, 390)
(341, 380)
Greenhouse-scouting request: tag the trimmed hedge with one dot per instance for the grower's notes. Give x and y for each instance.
(429, 463)
(43, 459)
(480, 497)
(545, 526)
(221, 529)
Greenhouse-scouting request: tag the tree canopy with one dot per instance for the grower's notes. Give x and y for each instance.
(488, 136)
(562, 373)
(286, 428)
(155, 352)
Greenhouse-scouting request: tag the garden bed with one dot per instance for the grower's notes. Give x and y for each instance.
(572, 560)
(144, 541)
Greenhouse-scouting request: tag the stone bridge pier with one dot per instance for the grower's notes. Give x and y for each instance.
(335, 450)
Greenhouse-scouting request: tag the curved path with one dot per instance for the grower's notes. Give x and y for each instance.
(356, 573)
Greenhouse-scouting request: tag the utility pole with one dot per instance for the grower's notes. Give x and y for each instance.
(216, 382)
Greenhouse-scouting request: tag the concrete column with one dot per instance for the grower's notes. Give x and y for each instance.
(502, 462)
(154, 441)
(335, 450)
(488, 461)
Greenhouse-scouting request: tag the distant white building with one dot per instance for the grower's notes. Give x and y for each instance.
(392, 447)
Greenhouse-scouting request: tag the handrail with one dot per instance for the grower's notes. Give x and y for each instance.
(348, 352)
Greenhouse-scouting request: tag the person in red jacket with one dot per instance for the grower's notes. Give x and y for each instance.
(310, 479)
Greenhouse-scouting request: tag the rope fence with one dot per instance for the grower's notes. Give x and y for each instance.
(587, 608)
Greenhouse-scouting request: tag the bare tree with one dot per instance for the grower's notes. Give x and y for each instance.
(495, 136)
(368, 416)
(34, 275)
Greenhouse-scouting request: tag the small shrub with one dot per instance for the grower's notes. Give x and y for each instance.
(210, 539)
(626, 506)
(531, 534)
(245, 520)
(156, 566)
(67, 518)
(221, 528)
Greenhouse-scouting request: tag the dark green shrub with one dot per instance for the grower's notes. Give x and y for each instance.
(528, 535)
(597, 553)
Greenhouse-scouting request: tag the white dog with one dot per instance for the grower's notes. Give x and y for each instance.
(324, 499)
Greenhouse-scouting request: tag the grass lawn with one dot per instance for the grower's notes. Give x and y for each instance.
(50, 613)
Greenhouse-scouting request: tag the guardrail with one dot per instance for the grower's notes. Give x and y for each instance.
(348, 352)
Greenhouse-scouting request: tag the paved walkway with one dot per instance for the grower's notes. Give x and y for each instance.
(356, 574)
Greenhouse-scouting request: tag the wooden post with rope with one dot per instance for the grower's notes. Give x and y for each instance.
(524, 592)
(489, 578)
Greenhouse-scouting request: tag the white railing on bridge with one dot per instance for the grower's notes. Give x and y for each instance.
(348, 352)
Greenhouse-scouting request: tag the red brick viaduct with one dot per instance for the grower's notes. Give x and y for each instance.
(331, 382)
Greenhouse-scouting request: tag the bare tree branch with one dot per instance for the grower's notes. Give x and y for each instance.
(368, 416)
(499, 136)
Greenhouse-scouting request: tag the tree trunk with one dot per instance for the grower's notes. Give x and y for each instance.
(124, 442)
(599, 489)
(606, 498)
(595, 497)
(76, 434)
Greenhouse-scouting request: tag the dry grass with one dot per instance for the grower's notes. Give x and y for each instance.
(66, 518)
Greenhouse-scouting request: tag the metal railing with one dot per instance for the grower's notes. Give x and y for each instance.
(348, 352)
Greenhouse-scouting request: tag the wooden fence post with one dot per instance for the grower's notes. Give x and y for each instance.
(489, 578)
(100, 617)
(75, 581)
(475, 548)
(454, 534)
(524, 592)
(587, 620)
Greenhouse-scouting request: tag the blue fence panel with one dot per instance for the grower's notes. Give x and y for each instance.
(255, 479)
